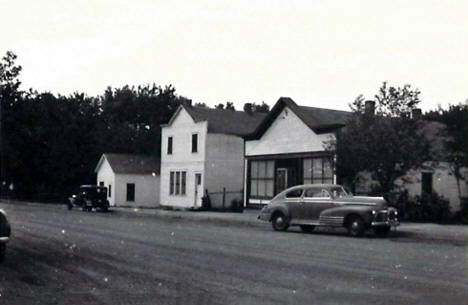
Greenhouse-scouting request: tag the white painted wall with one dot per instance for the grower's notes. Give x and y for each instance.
(146, 190)
(106, 174)
(182, 158)
(287, 134)
(224, 168)
(443, 183)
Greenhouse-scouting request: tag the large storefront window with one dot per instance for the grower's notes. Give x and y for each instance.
(318, 170)
(262, 176)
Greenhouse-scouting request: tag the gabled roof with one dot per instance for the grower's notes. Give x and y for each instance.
(320, 120)
(131, 163)
(223, 121)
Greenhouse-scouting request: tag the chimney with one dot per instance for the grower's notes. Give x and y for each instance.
(416, 114)
(369, 107)
(187, 103)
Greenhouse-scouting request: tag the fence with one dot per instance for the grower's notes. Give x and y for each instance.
(225, 200)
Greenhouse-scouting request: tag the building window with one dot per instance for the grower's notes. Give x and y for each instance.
(195, 143)
(169, 145)
(177, 183)
(262, 178)
(182, 183)
(110, 190)
(171, 184)
(426, 183)
(318, 170)
(130, 191)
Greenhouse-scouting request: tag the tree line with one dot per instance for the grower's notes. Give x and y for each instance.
(50, 144)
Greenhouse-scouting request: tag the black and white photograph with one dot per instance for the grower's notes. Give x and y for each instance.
(218, 152)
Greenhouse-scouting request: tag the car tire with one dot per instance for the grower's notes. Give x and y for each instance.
(356, 226)
(382, 231)
(69, 206)
(104, 209)
(2, 252)
(307, 228)
(279, 222)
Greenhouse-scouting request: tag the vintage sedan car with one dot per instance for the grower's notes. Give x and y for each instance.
(5, 232)
(313, 205)
(88, 197)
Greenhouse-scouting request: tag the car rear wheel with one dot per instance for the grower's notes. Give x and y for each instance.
(104, 209)
(356, 226)
(381, 231)
(307, 228)
(279, 222)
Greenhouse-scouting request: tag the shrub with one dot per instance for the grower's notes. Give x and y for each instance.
(237, 205)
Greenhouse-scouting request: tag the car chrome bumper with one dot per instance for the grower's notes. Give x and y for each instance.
(4, 240)
(388, 223)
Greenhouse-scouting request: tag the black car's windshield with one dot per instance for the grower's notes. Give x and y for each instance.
(339, 192)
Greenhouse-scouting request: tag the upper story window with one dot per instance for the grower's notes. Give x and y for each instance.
(194, 143)
(169, 145)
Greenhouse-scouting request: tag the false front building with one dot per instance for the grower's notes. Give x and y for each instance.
(288, 148)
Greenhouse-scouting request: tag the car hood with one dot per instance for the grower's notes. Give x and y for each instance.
(378, 202)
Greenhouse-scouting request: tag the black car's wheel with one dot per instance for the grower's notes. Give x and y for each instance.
(381, 231)
(2, 252)
(307, 228)
(355, 226)
(279, 222)
(104, 209)
(69, 206)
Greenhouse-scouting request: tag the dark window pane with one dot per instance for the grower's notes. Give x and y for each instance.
(110, 190)
(426, 183)
(169, 145)
(177, 188)
(130, 192)
(294, 193)
(182, 191)
(194, 143)
(171, 184)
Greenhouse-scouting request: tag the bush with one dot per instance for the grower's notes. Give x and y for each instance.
(464, 211)
(430, 208)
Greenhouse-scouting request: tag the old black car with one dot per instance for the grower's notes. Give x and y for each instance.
(309, 206)
(88, 197)
(5, 232)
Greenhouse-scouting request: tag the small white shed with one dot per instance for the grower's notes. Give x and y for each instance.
(131, 180)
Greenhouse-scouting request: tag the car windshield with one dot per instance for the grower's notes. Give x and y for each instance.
(339, 192)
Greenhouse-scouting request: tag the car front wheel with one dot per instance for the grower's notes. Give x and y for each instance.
(356, 226)
(279, 222)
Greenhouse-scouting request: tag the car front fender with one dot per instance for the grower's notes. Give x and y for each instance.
(365, 212)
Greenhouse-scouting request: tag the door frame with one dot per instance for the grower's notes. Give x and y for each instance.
(195, 191)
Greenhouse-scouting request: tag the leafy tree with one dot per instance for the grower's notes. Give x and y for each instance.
(253, 107)
(391, 101)
(219, 106)
(201, 105)
(384, 145)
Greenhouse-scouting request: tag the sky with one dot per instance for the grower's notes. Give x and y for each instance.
(319, 53)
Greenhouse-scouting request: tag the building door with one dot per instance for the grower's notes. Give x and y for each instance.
(198, 190)
(281, 179)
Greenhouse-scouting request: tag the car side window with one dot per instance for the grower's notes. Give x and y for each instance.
(316, 193)
(294, 193)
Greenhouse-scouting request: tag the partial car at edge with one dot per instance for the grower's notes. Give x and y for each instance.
(5, 232)
(313, 205)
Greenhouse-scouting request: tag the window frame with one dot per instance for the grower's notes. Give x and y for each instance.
(194, 147)
(129, 187)
(170, 145)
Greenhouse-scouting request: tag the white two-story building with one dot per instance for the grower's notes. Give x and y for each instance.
(202, 153)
